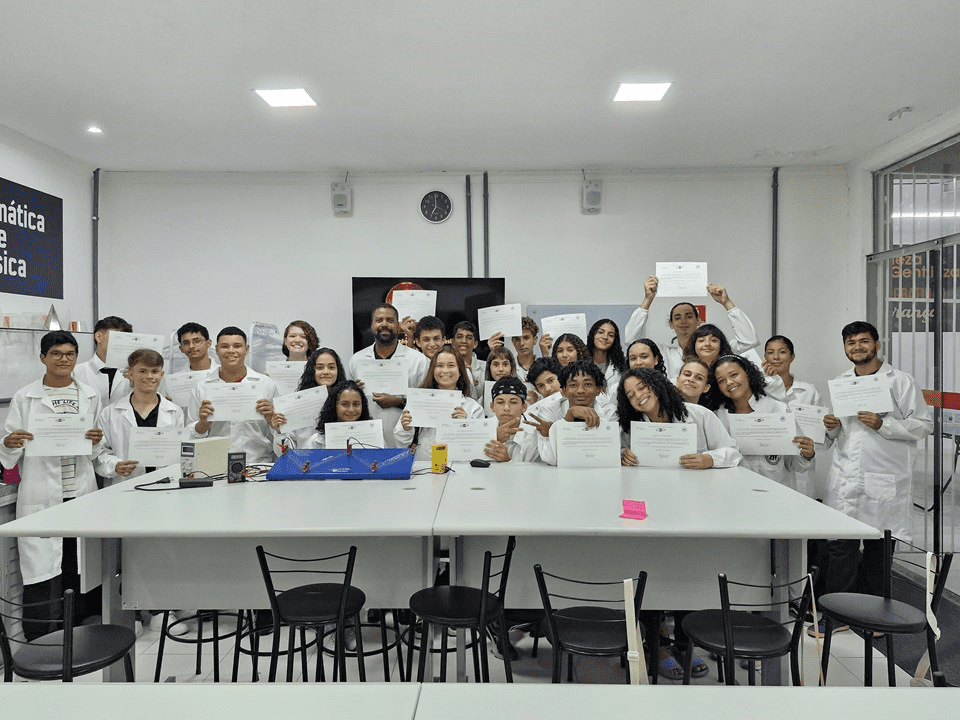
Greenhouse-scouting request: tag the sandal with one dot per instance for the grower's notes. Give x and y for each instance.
(669, 668)
(698, 668)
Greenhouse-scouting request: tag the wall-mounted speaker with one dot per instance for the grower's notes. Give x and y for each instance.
(341, 198)
(592, 196)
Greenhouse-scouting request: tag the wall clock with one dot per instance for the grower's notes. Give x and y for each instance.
(435, 207)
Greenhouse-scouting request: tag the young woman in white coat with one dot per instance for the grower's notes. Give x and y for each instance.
(603, 345)
(49, 565)
(447, 372)
(346, 402)
(143, 407)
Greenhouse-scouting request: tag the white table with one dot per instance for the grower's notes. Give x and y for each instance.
(700, 523)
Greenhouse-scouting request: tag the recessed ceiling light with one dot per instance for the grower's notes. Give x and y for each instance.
(293, 97)
(641, 92)
(94, 129)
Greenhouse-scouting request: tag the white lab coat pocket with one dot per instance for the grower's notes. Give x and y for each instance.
(879, 486)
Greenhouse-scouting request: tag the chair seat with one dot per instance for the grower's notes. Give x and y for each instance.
(591, 630)
(94, 648)
(317, 603)
(452, 605)
(754, 636)
(871, 612)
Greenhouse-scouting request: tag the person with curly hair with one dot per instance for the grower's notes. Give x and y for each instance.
(603, 345)
(346, 402)
(299, 340)
(569, 348)
(645, 353)
(323, 368)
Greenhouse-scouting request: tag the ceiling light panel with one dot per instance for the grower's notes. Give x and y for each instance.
(291, 97)
(641, 92)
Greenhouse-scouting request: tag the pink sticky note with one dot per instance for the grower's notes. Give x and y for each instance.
(634, 510)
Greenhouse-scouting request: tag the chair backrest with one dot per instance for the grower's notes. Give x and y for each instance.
(293, 572)
(915, 558)
(578, 593)
(66, 603)
(500, 576)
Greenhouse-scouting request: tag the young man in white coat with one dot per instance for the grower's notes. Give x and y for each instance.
(108, 382)
(871, 471)
(49, 565)
(385, 324)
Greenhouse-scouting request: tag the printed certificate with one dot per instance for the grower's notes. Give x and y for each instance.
(851, 394)
(765, 433)
(557, 325)
(180, 385)
(466, 439)
(580, 446)
(662, 444)
(810, 421)
(499, 319)
(367, 432)
(156, 447)
(301, 409)
(382, 376)
(682, 279)
(414, 304)
(428, 408)
(121, 344)
(286, 374)
(233, 401)
(58, 435)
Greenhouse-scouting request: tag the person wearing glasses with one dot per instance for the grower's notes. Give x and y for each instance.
(49, 565)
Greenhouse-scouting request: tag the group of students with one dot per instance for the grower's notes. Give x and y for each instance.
(701, 378)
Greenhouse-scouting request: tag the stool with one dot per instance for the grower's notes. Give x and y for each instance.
(199, 640)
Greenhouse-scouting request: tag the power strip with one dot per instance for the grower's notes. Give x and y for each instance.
(195, 482)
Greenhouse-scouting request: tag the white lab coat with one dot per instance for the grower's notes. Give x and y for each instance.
(553, 409)
(89, 374)
(253, 437)
(42, 485)
(477, 375)
(782, 468)
(417, 366)
(871, 471)
(117, 422)
(805, 393)
(712, 437)
(744, 337)
(428, 435)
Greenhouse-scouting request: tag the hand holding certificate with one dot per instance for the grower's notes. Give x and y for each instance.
(428, 408)
(810, 421)
(580, 446)
(414, 304)
(59, 435)
(557, 325)
(121, 344)
(662, 444)
(499, 319)
(300, 409)
(682, 279)
(233, 401)
(466, 439)
(849, 394)
(765, 433)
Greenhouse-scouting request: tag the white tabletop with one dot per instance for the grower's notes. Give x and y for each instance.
(341, 508)
(536, 499)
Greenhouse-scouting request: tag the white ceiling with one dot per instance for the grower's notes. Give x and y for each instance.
(488, 85)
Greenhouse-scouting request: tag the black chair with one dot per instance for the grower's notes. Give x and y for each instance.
(65, 653)
(881, 614)
(740, 630)
(595, 627)
(202, 617)
(468, 608)
(313, 606)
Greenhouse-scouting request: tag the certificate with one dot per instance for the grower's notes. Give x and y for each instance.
(557, 325)
(286, 374)
(682, 279)
(121, 344)
(414, 304)
(466, 439)
(810, 421)
(662, 444)
(156, 447)
(428, 408)
(233, 401)
(367, 432)
(851, 394)
(580, 446)
(499, 319)
(487, 402)
(382, 376)
(764, 433)
(302, 408)
(58, 435)
(180, 385)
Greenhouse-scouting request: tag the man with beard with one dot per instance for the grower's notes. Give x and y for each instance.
(872, 466)
(385, 324)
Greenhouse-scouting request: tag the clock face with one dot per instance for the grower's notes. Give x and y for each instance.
(436, 206)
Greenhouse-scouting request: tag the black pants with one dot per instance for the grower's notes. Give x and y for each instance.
(850, 570)
(40, 620)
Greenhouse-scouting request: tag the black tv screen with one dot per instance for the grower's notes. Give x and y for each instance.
(457, 299)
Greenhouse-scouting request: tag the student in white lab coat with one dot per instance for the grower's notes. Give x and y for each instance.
(346, 402)
(447, 372)
(49, 565)
(693, 383)
(603, 345)
(464, 340)
(252, 437)
(141, 406)
(738, 385)
(514, 441)
(108, 382)
(645, 395)
(524, 344)
(645, 353)
(871, 471)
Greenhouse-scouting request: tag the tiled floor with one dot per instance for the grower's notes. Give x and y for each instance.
(846, 664)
